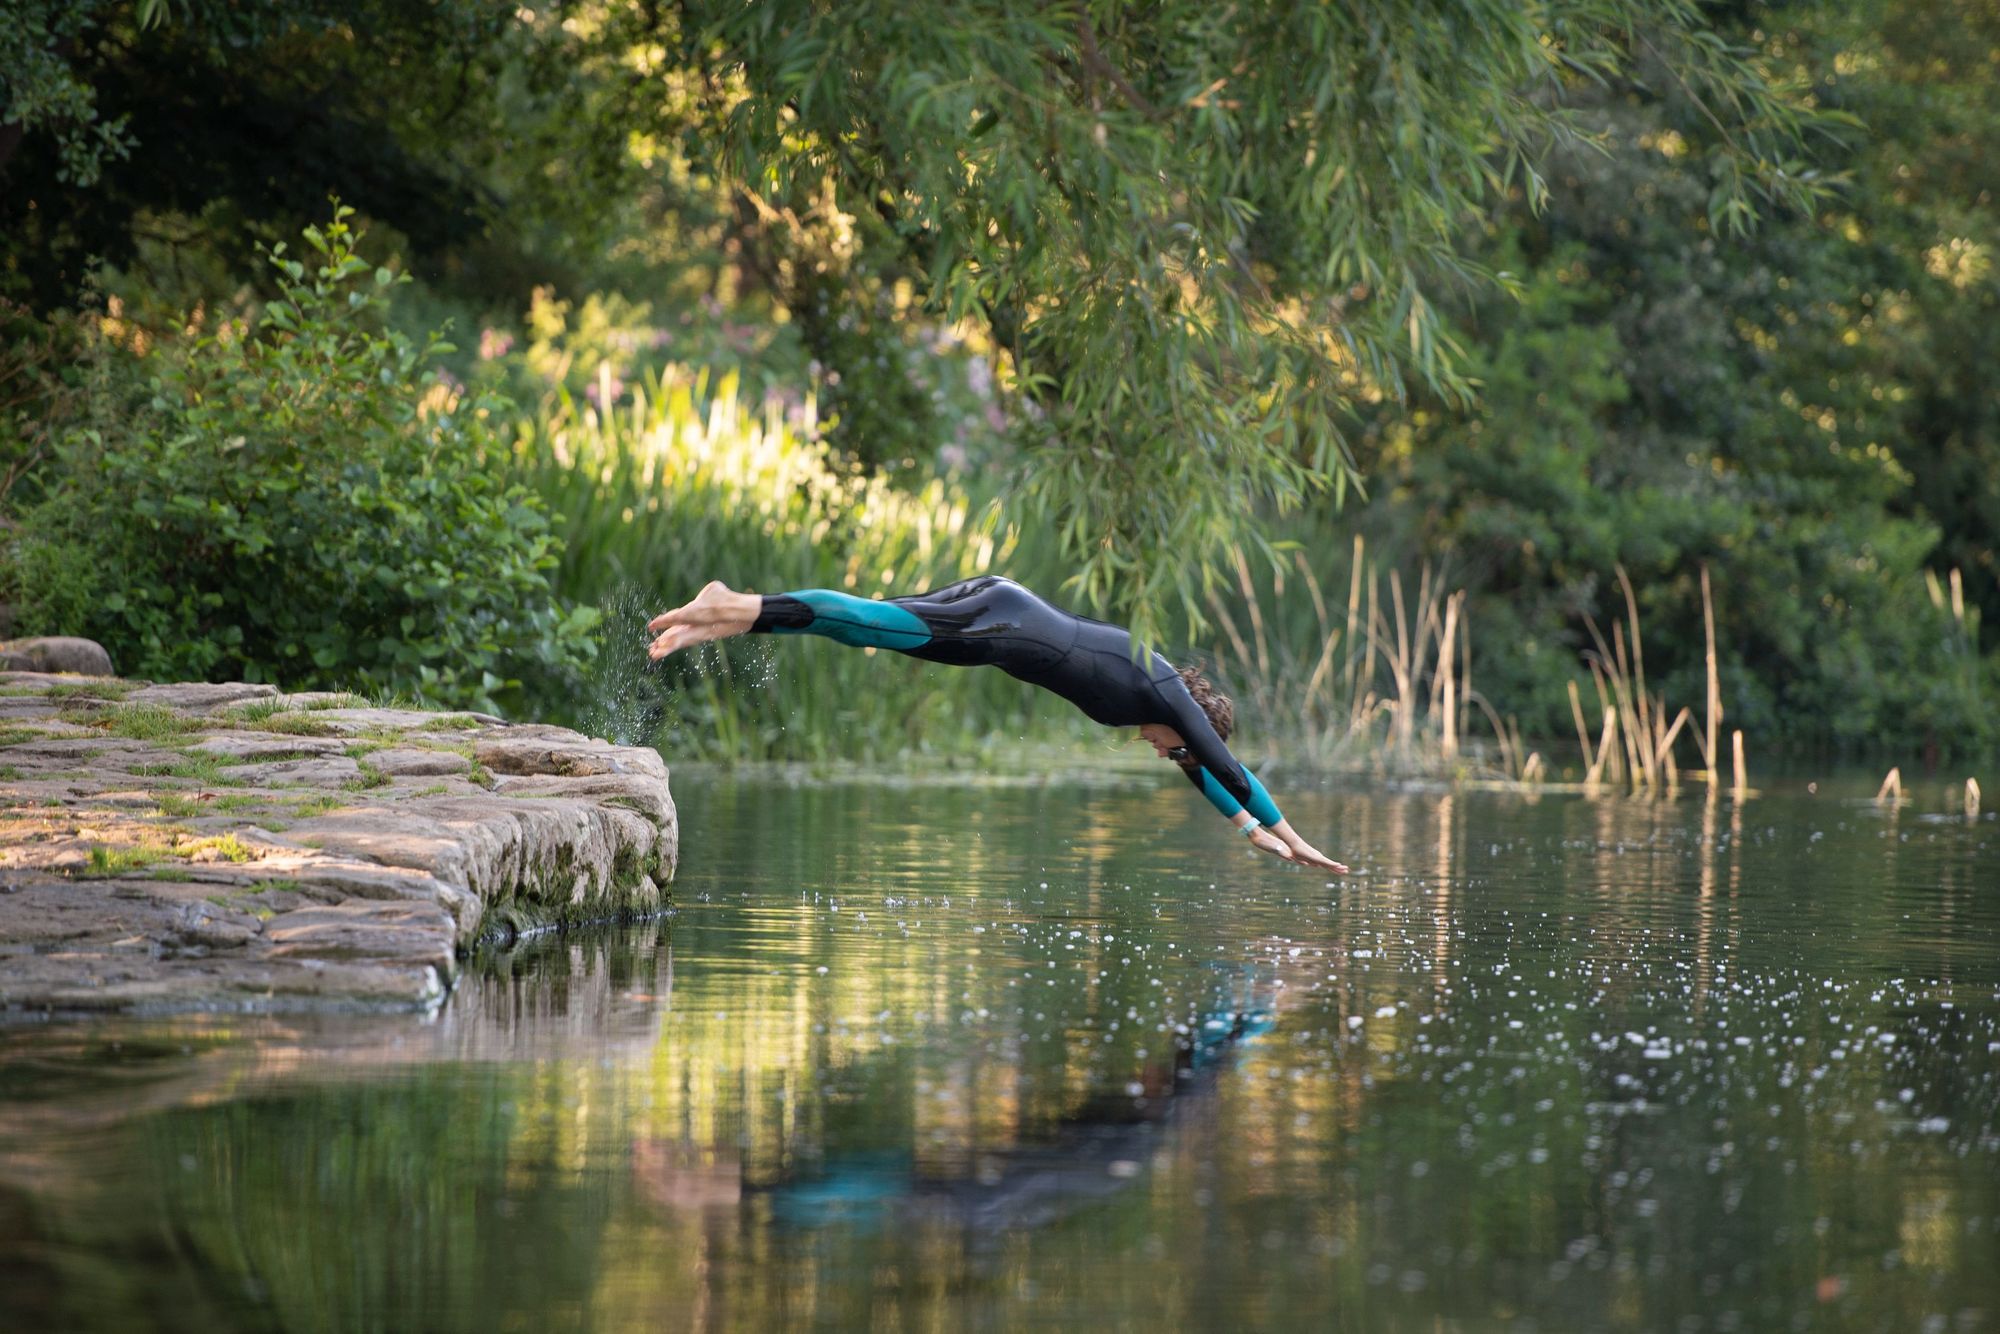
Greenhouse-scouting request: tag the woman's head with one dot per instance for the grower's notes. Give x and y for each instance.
(1221, 710)
(1215, 706)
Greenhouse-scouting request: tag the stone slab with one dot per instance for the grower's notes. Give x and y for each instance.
(250, 860)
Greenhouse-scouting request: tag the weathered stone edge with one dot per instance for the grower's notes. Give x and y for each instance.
(382, 895)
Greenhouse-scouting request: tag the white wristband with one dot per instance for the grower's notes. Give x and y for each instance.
(1252, 827)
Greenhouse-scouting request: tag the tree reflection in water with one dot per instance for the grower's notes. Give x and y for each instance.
(937, 1057)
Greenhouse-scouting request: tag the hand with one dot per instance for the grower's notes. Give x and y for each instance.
(716, 613)
(1302, 852)
(1266, 841)
(1307, 855)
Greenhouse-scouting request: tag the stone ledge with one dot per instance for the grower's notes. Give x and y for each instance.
(173, 847)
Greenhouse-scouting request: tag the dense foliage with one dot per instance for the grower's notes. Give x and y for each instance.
(1803, 410)
(1564, 288)
(299, 501)
(1220, 219)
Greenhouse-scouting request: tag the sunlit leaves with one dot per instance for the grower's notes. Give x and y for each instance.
(1197, 230)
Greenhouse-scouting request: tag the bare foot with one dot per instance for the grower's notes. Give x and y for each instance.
(715, 613)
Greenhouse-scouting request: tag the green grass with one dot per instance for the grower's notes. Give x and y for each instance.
(357, 749)
(175, 806)
(238, 801)
(270, 757)
(296, 724)
(200, 766)
(138, 722)
(482, 775)
(107, 689)
(369, 777)
(109, 861)
(256, 711)
(318, 804)
(14, 736)
(434, 790)
(227, 846)
(8, 773)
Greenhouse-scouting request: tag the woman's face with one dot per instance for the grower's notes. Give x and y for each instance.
(1164, 740)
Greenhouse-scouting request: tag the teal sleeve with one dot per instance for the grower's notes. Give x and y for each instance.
(1260, 805)
(859, 622)
(1262, 809)
(1217, 796)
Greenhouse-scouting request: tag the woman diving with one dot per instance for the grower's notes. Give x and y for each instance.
(992, 621)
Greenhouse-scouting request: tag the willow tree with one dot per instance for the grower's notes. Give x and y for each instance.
(1194, 232)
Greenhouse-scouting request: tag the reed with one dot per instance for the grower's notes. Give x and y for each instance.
(1384, 685)
(687, 480)
(1639, 718)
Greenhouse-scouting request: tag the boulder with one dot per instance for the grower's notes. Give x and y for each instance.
(58, 653)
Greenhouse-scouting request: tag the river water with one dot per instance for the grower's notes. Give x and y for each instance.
(913, 1056)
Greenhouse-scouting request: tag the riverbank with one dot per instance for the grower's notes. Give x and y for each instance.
(177, 847)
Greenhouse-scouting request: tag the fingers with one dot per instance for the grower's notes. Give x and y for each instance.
(667, 618)
(673, 640)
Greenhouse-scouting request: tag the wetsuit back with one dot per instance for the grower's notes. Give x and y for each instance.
(992, 621)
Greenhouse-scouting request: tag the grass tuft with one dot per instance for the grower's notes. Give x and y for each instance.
(138, 722)
(369, 777)
(199, 766)
(297, 724)
(227, 847)
(109, 861)
(106, 689)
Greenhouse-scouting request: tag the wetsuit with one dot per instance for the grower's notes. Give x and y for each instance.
(994, 622)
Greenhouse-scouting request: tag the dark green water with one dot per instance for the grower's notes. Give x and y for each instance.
(914, 1057)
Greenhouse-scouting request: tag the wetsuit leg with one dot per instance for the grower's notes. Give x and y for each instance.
(985, 622)
(860, 622)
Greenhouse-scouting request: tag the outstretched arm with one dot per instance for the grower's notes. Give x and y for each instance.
(1281, 839)
(1223, 780)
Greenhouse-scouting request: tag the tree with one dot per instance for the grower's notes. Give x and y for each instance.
(1196, 233)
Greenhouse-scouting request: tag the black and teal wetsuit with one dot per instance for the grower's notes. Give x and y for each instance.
(994, 622)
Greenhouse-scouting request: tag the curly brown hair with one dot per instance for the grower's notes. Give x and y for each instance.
(1221, 710)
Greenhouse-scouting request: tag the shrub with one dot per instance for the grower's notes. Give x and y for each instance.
(303, 501)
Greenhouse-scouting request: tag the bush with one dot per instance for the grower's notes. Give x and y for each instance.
(303, 503)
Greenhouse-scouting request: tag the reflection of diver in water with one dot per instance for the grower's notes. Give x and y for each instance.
(1096, 1151)
(994, 622)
